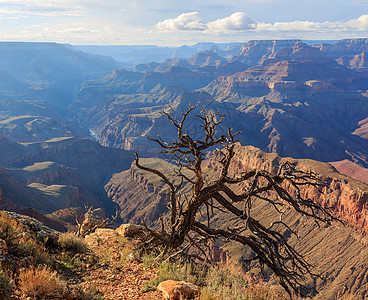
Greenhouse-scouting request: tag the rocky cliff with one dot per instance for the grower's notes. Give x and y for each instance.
(256, 52)
(295, 100)
(207, 58)
(155, 81)
(344, 47)
(352, 170)
(59, 173)
(297, 108)
(128, 128)
(348, 198)
(196, 62)
(356, 62)
(16, 195)
(137, 195)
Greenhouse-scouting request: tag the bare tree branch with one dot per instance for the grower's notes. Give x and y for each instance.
(235, 195)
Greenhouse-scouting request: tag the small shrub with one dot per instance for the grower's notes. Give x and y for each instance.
(41, 284)
(5, 287)
(70, 262)
(9, 228)
(70, 242)
(105, 257)
(10, 231)
(126, 249)
(174, 271)
(149, 259)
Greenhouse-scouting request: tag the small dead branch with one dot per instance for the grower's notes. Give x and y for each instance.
(92, 222)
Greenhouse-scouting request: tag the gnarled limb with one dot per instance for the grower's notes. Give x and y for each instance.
(236, 196)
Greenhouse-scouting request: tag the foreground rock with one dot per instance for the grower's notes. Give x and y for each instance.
(101, 235)
(35, 228)
(175, 290)
(131, 230)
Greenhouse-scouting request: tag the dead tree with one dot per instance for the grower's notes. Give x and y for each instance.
(187, 225)
(92, 222)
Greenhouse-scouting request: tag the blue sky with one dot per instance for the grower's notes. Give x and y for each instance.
(173, 22)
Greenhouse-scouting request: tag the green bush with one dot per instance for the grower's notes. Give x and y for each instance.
(69, 262)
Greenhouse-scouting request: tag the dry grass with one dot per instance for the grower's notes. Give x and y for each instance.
(172, 271)
(217, 282)
(41, 283)
(29, 247)
(229, 282)
(70, 242)
(126, 249)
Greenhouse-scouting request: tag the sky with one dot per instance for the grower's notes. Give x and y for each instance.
(174, 23)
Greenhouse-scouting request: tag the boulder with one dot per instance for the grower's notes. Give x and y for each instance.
(35, 228)
(175, 290)
(101, 235)
(106, 233)
(131, 230)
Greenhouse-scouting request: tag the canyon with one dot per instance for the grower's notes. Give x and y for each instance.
(58, 173)
(286, 96)
(289, 99)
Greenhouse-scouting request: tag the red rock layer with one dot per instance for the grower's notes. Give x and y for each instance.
(348, 198)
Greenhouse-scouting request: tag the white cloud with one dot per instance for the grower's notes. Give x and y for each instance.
(193, 22)
(184, 22)
(360, 24)
(295, 26)
(237, 21)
